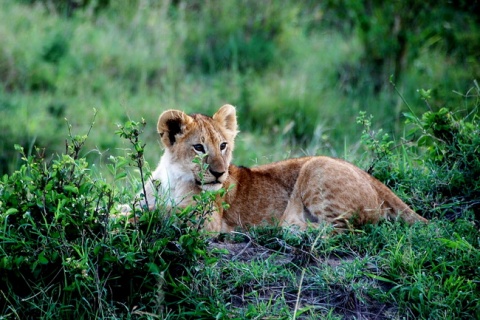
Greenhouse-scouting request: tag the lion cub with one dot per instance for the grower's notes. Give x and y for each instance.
(292, 192)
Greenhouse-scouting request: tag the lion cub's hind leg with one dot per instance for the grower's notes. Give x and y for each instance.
(332, 191)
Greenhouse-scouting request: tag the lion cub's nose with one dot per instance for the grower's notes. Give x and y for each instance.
(216, 174)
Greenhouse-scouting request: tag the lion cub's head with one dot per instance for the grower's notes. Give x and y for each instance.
(210, 138)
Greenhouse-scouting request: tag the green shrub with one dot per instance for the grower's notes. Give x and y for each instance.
(438, 164)
(393, 34)
(65, 253)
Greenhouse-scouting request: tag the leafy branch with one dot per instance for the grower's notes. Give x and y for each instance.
(132, 131)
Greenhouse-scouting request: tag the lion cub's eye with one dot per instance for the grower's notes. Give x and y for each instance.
(223, 145)
(199, 148)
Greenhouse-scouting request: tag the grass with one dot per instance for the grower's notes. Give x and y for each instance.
(133, 62)
(386, 271)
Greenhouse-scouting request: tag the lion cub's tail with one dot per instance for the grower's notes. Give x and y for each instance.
(394, 206)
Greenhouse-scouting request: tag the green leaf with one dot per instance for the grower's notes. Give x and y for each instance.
(110, 168)
(220, 251)
(71, 189)
(42, 259)
(153, 268)
(380, 278)
(97, 249)
(121, 175)
(423, 140)
(11, 211)
(460, 243)
(18, 148)
(410, 117)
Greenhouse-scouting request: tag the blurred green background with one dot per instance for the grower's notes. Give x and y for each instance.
(298, 72)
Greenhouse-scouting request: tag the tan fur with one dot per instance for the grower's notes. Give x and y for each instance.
(291, 192)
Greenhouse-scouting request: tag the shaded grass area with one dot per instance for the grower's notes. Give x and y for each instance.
(381, 272)
(281, 279)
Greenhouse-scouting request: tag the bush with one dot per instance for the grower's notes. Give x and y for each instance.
(438, 163)
(393, 34)
(65, 254)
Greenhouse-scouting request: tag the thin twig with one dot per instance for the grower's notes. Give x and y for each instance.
(298, 294)
(242, 251)
(302, 276)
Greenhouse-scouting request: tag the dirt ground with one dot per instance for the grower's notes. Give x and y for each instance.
(344, 301)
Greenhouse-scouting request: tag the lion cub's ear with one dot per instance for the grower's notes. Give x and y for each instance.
(227, 117)
(171, 124)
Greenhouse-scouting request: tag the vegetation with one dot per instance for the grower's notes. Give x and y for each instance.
(295, 70)
(393, 34)
(67, 253)
(299, 75)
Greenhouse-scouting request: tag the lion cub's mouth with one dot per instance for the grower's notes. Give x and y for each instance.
(199, 183)
(209, 186)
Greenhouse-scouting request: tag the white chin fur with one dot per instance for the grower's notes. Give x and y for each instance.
(211, 187)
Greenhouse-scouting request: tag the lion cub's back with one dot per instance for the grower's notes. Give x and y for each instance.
(336, 191)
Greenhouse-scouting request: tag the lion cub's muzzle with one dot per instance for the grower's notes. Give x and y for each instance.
(213, 180)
